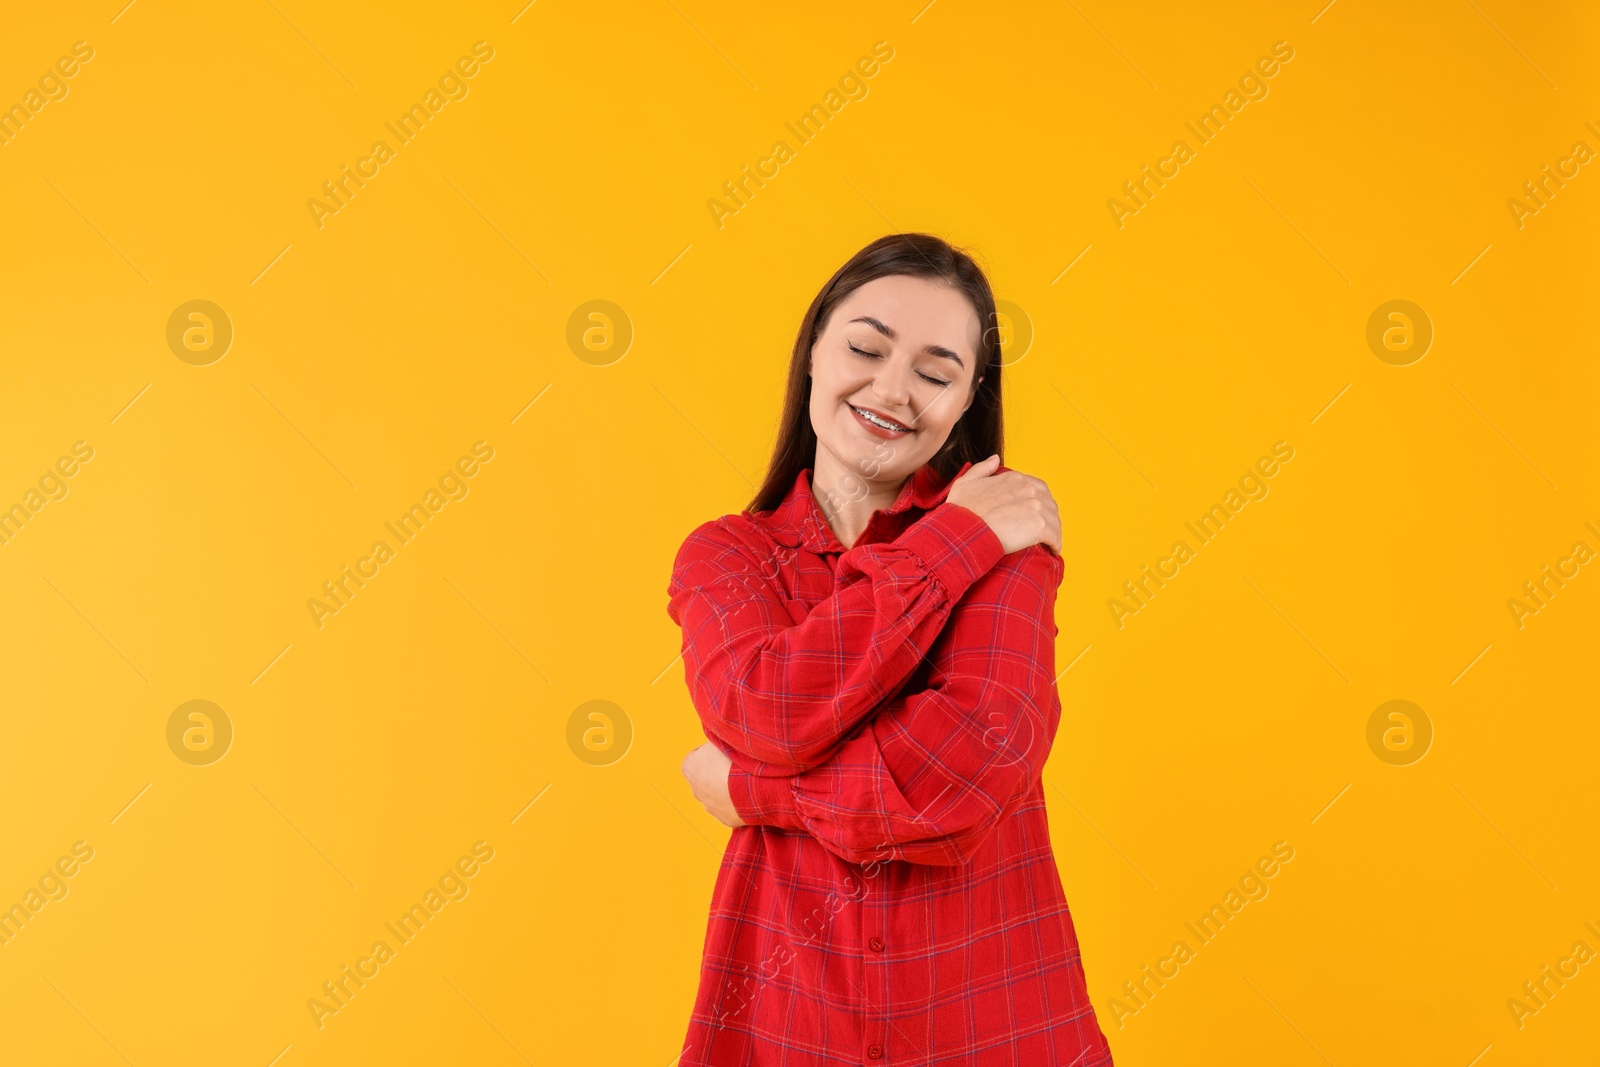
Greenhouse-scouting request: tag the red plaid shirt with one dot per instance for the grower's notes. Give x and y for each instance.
(888, 709)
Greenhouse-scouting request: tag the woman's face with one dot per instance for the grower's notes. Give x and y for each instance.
(903, 348)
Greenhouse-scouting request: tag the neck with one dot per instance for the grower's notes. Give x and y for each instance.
(847, 498)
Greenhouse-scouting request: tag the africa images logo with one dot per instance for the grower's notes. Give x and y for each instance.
(453, 485)
(452, 85)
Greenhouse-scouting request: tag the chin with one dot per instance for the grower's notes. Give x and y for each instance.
(881, 460)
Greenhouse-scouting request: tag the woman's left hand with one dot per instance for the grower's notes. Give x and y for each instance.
(707, 769)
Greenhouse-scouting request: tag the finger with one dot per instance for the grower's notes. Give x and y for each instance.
(983, 466)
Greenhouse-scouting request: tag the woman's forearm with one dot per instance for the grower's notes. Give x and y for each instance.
(785, 693)
(932, 773)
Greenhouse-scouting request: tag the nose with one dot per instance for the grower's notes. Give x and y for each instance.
(892, 386)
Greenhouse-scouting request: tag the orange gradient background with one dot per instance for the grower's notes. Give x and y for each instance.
(374, 346)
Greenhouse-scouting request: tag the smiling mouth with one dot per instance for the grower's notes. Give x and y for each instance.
(880, 421)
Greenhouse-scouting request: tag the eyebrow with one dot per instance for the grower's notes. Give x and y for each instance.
(932, 350)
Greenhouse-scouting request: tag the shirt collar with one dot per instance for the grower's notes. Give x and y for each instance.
(798, 519)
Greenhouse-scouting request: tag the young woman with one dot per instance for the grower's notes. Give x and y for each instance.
(871, 649)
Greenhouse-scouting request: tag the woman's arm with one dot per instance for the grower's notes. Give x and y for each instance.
(784, 692)
(933, 773)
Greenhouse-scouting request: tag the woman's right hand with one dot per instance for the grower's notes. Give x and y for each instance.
(1018, 507)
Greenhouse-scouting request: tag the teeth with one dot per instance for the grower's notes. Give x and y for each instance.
(886, 424)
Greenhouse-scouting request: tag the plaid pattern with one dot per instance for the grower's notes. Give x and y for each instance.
(888, 709)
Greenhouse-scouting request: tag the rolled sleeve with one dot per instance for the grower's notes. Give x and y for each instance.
(956, 545)
(763, 801)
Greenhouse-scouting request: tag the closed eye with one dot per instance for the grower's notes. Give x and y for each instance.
(875, 355)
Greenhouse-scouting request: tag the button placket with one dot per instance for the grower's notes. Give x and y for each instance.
(874, 1051)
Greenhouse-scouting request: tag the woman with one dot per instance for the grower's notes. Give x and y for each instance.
(870, 647)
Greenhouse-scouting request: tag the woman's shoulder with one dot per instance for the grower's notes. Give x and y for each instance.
(738, 533)
(1035, 572)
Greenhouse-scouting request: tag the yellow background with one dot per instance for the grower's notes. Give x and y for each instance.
(433, 308)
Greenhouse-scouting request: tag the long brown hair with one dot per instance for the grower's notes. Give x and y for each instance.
(977, 435)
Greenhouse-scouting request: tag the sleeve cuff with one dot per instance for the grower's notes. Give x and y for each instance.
(762, 801)
(955, 543)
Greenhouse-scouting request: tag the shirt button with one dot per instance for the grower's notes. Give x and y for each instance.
(875, 945)
(874, 1052)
